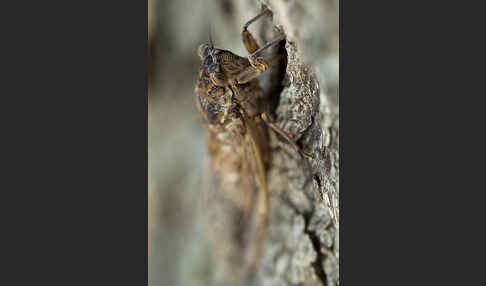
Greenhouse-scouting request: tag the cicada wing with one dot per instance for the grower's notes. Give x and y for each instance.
(258, 153)
(231, 198)
(228, 187)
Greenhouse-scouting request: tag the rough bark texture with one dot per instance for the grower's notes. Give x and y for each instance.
(302, 244)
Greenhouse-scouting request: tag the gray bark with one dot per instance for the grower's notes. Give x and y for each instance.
(302, 244)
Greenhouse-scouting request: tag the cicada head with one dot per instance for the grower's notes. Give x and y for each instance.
(212, 61)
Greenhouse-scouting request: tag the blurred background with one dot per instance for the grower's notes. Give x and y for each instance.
(179, 252)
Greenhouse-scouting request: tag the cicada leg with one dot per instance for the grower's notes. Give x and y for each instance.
(287, 137)
(258, 65)
(249, 41)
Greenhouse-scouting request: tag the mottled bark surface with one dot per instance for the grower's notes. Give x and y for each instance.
(302, 246)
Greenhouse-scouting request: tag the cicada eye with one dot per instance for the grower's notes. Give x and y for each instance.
(203, 51)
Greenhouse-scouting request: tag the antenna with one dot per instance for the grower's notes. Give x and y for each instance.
(210, 38)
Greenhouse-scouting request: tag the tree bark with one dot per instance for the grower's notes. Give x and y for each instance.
(304, 220)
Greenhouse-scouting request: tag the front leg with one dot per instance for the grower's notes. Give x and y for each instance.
(256, 68)
(258, 64)
(249, 41)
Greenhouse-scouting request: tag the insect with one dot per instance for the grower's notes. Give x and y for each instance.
(234, 111)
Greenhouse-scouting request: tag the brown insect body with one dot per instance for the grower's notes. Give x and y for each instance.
(237, 140)
(233, 109)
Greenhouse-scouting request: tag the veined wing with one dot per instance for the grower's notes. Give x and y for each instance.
(234, 191)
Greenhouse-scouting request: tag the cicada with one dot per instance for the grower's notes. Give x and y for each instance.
(234, 110)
